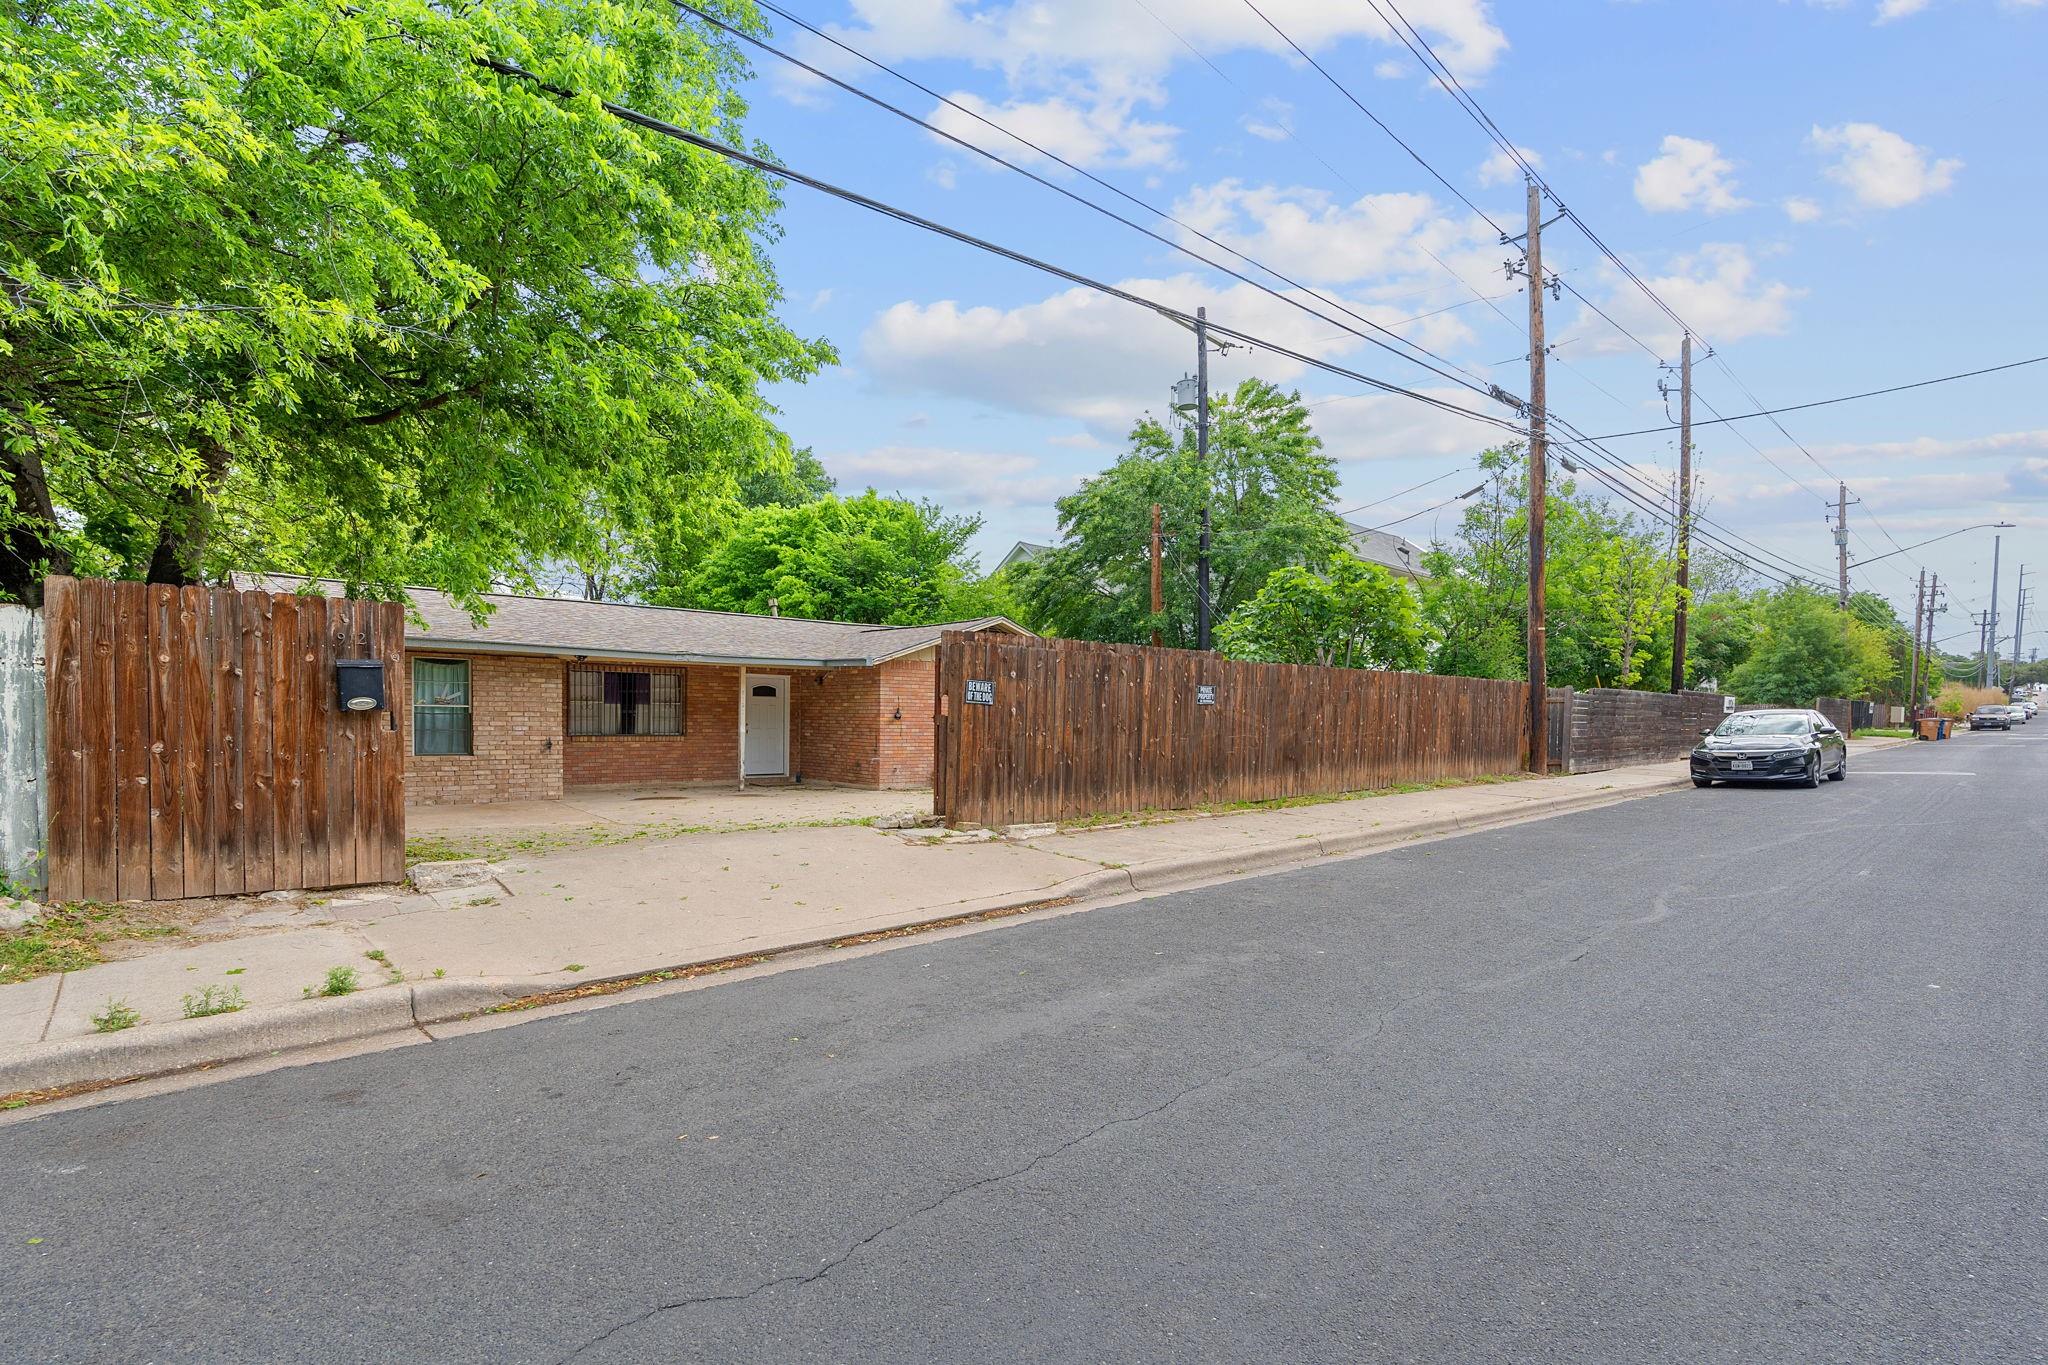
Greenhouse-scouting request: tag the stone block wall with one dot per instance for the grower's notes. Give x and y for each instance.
(1613, 727)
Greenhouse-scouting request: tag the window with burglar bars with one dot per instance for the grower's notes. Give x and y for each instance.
(604, 701)
(440, 706)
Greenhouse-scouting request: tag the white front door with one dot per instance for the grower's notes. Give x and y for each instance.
(767, 703)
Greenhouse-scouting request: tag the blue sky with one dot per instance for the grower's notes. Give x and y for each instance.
(1838, 196)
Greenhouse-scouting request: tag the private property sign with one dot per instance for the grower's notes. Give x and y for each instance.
(1205, 694)
(981, 692)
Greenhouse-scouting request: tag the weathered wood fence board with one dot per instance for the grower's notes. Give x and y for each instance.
(1076, 729)
(196, 747)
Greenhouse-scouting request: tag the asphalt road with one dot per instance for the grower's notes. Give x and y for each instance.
(1718, 1075)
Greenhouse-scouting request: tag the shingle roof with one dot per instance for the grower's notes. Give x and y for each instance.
(1384, 548)
(621, 630)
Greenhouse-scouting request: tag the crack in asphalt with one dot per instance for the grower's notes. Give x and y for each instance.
(812, 1277)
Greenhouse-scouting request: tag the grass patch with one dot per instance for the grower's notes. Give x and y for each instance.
(214, 1000)
(1151, 816)
(116, 1016)
(1884, 734)
(339, 981)
(73, 935)
(497, 847)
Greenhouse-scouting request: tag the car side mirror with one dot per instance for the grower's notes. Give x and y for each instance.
(1708, 731)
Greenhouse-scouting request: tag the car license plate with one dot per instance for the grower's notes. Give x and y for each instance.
(1740, 765)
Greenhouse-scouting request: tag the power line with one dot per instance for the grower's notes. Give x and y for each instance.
(1346, 93)
(1404, 492)
(1845, 398)
(1470, 381)
(702, 143)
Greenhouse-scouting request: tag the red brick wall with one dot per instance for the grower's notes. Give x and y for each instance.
(843, 729)
(904, 747)
(707, 751)
(835, 722)
(516, 734)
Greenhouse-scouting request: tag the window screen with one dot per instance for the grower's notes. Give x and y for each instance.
(440, 706)
(603, 701)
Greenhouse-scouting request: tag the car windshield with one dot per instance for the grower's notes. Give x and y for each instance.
(1763, 723)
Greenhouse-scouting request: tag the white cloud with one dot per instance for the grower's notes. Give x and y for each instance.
(1085, 356)
(944, 174)
(1088, 53)
(1273, 123)
(975, 479)
(1879, 167)
(1390, 70)
(1502, 169)
(1802, 210)
(1688, 174)
(1889, 10)
(820, 299)
(1716, 289)
(1313, 235)
(1360, 428)
(1103, 133)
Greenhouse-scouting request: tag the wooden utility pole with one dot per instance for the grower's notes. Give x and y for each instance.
(1202, 450)
(1842, 544)
(1919, 622)
(1927, 650)
(1991, 621)
(1158, 583)
(1684, 513)
(1539, 676)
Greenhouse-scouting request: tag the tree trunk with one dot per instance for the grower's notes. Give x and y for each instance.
(188, 521)
(29, 550)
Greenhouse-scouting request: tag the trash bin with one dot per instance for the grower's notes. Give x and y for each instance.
(1929, 727)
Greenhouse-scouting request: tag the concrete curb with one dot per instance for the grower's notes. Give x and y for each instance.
(183, 1045)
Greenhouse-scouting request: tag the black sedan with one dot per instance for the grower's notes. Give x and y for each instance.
(1771, 746)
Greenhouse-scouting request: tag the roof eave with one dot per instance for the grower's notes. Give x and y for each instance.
(431, 642)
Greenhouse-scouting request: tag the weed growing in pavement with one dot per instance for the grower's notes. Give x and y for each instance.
(214, 1000)
(68, 936)
(573, 967)
(340, 981)
(392, 976)
(115, 1017)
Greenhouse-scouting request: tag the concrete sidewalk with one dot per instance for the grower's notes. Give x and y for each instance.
(552, 920)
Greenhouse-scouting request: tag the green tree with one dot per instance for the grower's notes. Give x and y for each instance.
(1354, 615)
(1609, 581)
(1805, 648)
(866, 558)
(1722, 631)
(289, 284)
(1268, 485)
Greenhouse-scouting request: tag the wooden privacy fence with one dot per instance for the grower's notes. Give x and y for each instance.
(1035, 730)
(197, 746)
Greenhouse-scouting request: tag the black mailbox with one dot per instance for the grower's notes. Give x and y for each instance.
(361, 682)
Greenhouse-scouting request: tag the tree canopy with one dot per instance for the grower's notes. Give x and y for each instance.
(290, 284)
(867, 558)
(1268, 485)
(1353, 615)
(1806, 648)
(1610, 586)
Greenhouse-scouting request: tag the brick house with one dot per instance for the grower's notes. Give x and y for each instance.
(550, 693)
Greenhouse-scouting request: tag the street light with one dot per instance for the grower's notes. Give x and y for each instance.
(1980, 526)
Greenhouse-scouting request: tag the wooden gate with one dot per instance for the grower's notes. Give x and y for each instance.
(197, 746)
